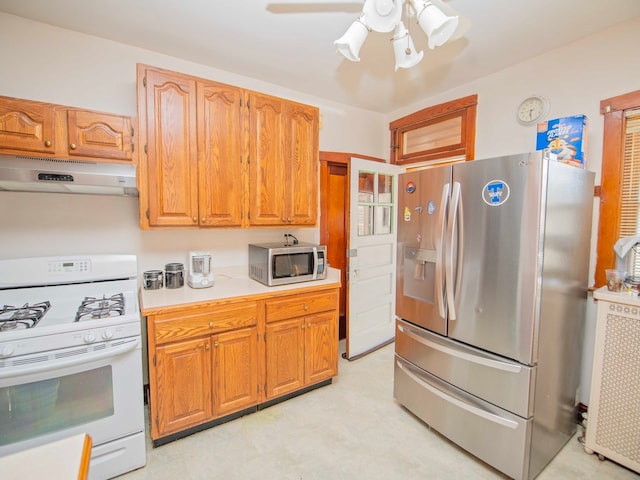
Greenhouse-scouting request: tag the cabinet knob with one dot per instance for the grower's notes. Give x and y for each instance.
(73, 146)
(195, 219)
(302, 326)
(204, 219)
(47, 143)
(206, 347)
(288, 219)
(306, 307)
(210, 324)
(215, 344)
(309, 325)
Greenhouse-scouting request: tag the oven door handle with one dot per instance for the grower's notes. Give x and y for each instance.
(80, 359)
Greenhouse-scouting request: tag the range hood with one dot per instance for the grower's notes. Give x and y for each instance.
(30, 174)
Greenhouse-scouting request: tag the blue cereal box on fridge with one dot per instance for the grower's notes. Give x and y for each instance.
(566, 138)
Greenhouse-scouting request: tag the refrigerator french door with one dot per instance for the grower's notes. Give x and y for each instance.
(492, 278)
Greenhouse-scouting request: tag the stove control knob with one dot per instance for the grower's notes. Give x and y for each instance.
(107, 334)
(6, 351)
(90, 337)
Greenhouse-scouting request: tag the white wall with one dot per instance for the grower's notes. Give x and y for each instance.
(575, 78)
(45, 63)
(41, 62)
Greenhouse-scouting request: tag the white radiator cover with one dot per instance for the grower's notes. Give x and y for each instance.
(613, 427)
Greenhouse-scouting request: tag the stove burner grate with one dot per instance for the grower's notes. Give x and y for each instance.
(27, 316)
(93, 307)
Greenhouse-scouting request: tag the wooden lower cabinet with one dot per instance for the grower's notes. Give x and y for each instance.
(235, 367)
(302, 348)
(216, 360)
(183, 394)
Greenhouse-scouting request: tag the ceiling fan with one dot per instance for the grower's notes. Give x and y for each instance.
(440, 22)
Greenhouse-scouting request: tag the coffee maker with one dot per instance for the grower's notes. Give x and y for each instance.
(200, 273)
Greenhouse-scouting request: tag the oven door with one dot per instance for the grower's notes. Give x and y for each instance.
(94, 389)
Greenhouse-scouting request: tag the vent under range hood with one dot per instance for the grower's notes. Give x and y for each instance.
(31, 174)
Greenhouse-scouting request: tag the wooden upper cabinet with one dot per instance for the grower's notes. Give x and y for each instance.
(302, 155)
(57, 131)
(99, 135)
(283, 169)
(171, 166)
(220, 162)
(267, 173)
(27, 126)
(215, 155)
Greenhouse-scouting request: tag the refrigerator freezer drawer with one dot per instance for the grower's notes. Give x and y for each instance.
(503, 382)
(495, 436)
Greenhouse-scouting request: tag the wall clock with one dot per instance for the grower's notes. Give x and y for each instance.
(532, 109)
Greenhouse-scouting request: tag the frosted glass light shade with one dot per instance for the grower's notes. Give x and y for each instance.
(350, 43)
(404, 49)
(438, 26)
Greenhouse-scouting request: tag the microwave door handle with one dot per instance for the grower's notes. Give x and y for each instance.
(315, 263)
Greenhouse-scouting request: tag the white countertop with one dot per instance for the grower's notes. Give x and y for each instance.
(626, 297)
(229, 282)
(66, 459)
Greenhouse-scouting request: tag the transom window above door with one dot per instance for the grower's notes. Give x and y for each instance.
(444, 132)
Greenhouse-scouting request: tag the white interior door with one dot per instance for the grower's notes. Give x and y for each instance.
(371, 261)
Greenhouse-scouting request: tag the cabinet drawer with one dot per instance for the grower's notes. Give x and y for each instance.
(300, 305)
(173, 326)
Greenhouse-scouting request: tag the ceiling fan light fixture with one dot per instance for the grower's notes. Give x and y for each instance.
(350, 43)
(438, 26)
(404, 49)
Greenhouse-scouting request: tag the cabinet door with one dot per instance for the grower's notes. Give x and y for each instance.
(183, 385)
(171, 156)
(302, 165)
(99, 135)
(267, 173)
(220, 166)
(321, 347)
(285, 357)
(235, 371)
(26, 125)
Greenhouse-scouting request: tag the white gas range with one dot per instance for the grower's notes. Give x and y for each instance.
(70, 357)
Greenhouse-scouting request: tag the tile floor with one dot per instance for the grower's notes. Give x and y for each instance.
(351, 429)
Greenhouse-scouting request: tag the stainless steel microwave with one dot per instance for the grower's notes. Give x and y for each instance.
(279, 264)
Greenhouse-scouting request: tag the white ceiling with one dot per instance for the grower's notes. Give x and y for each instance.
(290, 43)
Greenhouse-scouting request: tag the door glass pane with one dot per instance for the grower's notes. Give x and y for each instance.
(33, 409)
(365, 186)
(385, 183)
(365, 220)
(383, 220)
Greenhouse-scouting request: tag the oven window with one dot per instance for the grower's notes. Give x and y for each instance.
(292, 265)
(33, 409)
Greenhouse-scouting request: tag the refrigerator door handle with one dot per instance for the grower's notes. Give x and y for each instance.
(454, 210)
(459, 403)
(440, 239)
(486, 362)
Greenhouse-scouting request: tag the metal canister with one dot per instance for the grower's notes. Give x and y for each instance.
(174, 275)
(152, 279)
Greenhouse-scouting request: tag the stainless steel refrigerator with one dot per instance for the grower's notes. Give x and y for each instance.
(493, 259)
